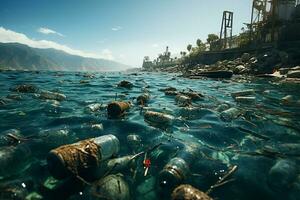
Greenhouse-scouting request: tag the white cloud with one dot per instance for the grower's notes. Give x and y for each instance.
(155, 45)
(8, 36)
(116, 28)
(49, 31)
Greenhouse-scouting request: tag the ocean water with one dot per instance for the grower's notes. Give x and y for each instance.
(262, 140)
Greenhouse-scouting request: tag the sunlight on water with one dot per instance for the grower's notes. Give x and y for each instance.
(260, 136)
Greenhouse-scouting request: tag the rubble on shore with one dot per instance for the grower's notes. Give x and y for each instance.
(272, 64)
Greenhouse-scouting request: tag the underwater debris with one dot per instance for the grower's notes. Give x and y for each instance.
(25, 88)
(10, 137)
(243, 93)
(177, 170)
(223, 180)
(143, 99)
(282, 175)
(188, 192)
(14, 97)
(14, 160)
(125, 84)
(74, 159)
(134, 141)
(117, 164)
(230, 114)
(95, 107)
(112, 187)
(168, 89)
(52, 96)
(193, 95)
(243, 99)
(13, 190)
(171, 93)
(158, 118)
(183, 100)
(117, 108)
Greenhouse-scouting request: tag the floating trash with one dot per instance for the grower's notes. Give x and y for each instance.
(125, 84)
(117, 109)
(158, 118)
(26, 88)
(243, 93)
(183, 100)
(282, 175)
(112, 187)
(245, 99)
(14, 160)
(52, 96)
(95, 107)
(143, 99)
(230, 114)
(134, 142)
(74, 159)
(188, 192)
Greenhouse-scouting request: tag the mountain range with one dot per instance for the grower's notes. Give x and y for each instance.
(16, 56)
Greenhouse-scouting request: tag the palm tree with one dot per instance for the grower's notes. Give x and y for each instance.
(189, 47)
(199, 43)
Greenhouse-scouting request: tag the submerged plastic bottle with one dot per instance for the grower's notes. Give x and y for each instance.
(110, 187)
(78, 158)
(14, 160)
(176, 171)
(189, 192)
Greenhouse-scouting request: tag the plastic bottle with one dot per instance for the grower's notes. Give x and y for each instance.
(117, 108)
(76, 159)
(189, 192)
(176, 171)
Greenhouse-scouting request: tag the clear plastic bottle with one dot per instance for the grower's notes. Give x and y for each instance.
(177, 170)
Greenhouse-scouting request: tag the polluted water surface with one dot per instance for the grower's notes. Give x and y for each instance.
(147, 136)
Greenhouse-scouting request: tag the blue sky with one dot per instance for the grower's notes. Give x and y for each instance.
(122, 30)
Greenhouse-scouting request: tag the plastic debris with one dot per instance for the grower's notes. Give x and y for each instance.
(183, 100)
(112, 187)
(125, 84)
(143, 99)
(158, 118)
(117, 109)
(188, 192)
(14, 160)
(74, 159)
(245, 99)
(26, 88)
(230, 114)
(243, 93)
(52, 96)
(95, 107)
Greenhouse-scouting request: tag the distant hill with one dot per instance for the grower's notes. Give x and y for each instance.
(15, 56)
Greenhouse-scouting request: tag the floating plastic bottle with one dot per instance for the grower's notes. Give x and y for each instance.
(143, 99)
(52, 96)
(76, 159)
(183, 100)
(230, 114)
(158, 118)
(117, 109)
(248, 99)
(243, 93)
(10, 137)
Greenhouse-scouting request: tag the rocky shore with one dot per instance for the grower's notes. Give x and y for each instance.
(273, 64)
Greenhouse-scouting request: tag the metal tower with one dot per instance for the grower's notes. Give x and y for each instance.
(226, 30)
